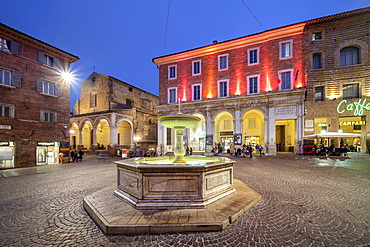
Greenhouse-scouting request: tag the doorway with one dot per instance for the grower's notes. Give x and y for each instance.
(280, 138)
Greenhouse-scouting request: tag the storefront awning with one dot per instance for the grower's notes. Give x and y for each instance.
(332, 135)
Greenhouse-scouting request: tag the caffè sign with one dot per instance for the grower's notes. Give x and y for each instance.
(356, 107)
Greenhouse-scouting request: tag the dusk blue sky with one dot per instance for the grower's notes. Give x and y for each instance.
(121, 37)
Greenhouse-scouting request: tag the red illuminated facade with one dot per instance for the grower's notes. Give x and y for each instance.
(240, 88)
(267, 56)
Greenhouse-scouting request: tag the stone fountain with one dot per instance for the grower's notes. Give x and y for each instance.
(171, 194)
(175, 182)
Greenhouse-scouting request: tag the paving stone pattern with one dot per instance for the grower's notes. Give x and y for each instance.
(306, 201)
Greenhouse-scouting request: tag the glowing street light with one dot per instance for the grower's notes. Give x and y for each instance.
(67, 75)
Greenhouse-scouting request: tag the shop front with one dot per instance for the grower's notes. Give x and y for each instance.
(47, 153)
(227, 140)
(6, 154)
(347, 119)
(353, 116)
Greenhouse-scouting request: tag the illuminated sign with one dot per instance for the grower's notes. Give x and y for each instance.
(47, 144)
(357, 107)
(226, 133)
(346, 123)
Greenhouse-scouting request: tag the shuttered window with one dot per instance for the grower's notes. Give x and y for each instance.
(48, 88)
(10, 78)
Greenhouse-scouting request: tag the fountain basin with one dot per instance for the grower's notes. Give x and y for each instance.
(196, 184)
(181, 121)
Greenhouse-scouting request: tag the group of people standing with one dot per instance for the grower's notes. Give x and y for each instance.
(76, 155)
(189, 151)
(217, 150)
(247, 150)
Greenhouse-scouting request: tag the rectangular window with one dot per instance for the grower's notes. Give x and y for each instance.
(48, 88)
(223, 89)
(48, 117)
(5, 77)
(49, 61)
(227, 124)
(222, 62)
(172, 74)
(286, 49)
(319, 93)
(316, 61)
(317, 35)
(197, 92)
(172, 95)
(351, 91)
(196, 67)
(5, 111)
(286, 80)
(4, 44)
(252, 123)
(253, 84)
(253, 56)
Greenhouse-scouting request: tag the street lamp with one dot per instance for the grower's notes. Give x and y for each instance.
(67, 75)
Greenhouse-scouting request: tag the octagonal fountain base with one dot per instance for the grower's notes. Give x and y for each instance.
(155, 183)
(164, 198)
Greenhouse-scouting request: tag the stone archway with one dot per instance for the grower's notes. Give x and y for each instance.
(253, 129)
(224, 130)
(103, 134)
(86, 135)
(124, 133)
(74, 135)
(197, 135)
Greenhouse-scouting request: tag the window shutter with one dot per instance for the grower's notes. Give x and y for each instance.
(16, 79)
(14, 47)
(41, 57)
(38, 85)
(58, 90)
(56, 63)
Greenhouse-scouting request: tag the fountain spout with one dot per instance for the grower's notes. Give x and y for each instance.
(179, 123)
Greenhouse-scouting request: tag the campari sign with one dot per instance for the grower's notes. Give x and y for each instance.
(357, 108)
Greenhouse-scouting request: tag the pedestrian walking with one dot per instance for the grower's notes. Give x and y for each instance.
(260, 149)
(250, 150)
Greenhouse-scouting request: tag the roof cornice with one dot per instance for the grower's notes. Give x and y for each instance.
(13, 33)
(253, 39)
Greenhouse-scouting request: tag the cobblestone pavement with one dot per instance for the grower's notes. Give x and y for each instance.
(306, 201)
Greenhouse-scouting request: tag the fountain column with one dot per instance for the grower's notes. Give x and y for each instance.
(179, 146)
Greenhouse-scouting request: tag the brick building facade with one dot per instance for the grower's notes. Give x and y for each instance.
(252, 90)
(34, 100)
(112, 114)
(338, 91)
